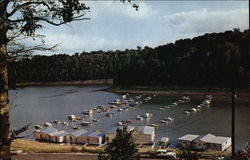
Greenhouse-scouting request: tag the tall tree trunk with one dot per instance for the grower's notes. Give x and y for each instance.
(4, 106)
(4, 101)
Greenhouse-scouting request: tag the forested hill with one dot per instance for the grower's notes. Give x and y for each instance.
(214, 59)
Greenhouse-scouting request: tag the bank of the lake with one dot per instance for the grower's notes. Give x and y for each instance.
(196, 91)
(59, 83)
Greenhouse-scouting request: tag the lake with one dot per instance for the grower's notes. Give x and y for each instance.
(37, 105)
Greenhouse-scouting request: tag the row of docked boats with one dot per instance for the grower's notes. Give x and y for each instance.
(205, 103)
(184, 99)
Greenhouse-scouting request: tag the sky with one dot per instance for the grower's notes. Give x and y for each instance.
(118, 26)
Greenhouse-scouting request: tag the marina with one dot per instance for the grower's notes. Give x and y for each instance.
(67, 107)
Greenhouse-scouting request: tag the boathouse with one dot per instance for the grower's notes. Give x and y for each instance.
(186, 141)
(72, 137)
(219, 143)
(58, 137)
(96, 138)
(45, 134)
(200, 142)
(110, 135)
(144, 135)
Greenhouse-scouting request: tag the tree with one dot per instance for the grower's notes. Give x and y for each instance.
(188, 155)
(121, 148)
(24, 18)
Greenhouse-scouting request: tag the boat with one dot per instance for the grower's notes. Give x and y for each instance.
(169, 119)
(154, 125)
(194, 110)
(120, 110)
(87, 112)
(187, 112)
(163, 121)
(95, 120)
(164, 142)
(162, 108)
(119, 123)
(38, 126)
(108, 115)
(85, 123)
(72, 117)
(113, 106)
(199, 106)
(79, 118)
(56, 122)
(147, 115)
(65, 123)
(124, 96)
(128, 121)
(75, 127)
(139, 117)
(47, 124)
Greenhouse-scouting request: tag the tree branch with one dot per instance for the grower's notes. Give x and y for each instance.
(25, 5)
(48, 21)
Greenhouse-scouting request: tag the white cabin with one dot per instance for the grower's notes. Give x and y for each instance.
(200, 142)
(186, 140)
(75, 137)
(58, 137)
(219, 143)
(110, 135)
(144, 135)
(95, 138)
(45, 134)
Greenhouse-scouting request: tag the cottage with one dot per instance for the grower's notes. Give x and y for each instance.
(110, 135)
(72, 137)
(95, 138)
(44, 135)
(219, 143)
(144, 135)
(200, 142)
(186, 140)
(58, 137)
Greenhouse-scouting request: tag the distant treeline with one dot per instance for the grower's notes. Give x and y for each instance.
(212, 60)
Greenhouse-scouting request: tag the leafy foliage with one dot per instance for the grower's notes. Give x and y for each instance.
(215, 59)
(121, 148)
(188, 155)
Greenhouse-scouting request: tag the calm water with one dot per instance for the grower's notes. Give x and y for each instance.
(37, 105)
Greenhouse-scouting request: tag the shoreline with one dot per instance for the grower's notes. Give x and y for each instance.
(197, 91)
(58, 83)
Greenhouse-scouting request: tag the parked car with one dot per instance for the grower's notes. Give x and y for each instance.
(166, 154)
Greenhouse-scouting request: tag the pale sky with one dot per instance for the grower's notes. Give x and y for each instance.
(117, 26)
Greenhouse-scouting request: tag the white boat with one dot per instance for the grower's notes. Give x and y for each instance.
(163, 121)
(87, 112)
(72, 117)
(199, 106)
(147, 115)
(47, 124)
(162, 108)
(38, 127)
(194, 110)
(187, 112)
(119, 123)
(75, 127)
(124, 96)
(120, 110)
(153, 125)
(56, 122)
(65, 123)
(169, 119)
(113, 106)
(95, 120)
(139, 117)
(85, 123)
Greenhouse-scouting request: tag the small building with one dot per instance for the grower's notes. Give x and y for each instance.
(110, 135)
(186, 140)
(200, 142)
(45, 134)
(95, 138)
(72, 137)
(144, 135)
(58, 137)
(219, 143)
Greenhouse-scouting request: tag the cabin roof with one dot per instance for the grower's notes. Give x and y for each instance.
(147, 129)
(206, 138)
(59, 133)
(188, 137)
(96, 134)
(79, 132)
(219, 140)
(49, 130)
(113, 130)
